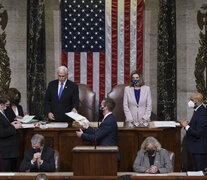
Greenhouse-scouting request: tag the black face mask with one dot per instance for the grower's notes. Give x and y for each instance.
(150, 152)
(16, 101)
(36, 150)
(101, 109)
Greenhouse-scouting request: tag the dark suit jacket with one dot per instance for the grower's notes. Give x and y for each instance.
(10, 113)
(105, 135)
(69, 100)
(197, 133)
(9, 144)
(47, 156)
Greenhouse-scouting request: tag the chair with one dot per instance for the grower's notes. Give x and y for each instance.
(57, 161)
(87, 102)
(172, 158)
(117, 94)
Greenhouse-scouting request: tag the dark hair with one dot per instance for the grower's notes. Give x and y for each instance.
(109, 103)
(141, 80)
(41, 176)
(3, 98)
(12, 92)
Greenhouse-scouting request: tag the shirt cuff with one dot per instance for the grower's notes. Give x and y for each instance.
(187, 127)
(41, 162)
(32, 162)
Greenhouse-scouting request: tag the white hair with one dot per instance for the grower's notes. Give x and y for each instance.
(62, 68)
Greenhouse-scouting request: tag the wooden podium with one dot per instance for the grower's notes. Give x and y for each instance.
(88, 161)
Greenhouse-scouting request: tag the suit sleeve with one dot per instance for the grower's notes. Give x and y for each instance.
(49, 164)
(8, 131)
(26, 163)
(104, 129)
(138, 166)
(167, 168)
(47, 103)
(127, 112)
(75, 97)
(201, 127)
(148, 111)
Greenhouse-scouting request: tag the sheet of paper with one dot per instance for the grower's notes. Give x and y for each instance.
(77, 117)
(57, 125)
(28, 125)
(163, 124)
(7, 174)
(26, 119)
(195, 173)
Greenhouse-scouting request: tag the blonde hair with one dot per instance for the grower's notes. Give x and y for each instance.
(153, 141)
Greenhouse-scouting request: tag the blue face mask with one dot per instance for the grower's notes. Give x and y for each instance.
(135, 81)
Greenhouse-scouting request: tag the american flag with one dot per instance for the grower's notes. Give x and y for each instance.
(102, 42)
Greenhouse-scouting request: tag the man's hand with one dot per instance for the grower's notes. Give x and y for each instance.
(51, 116)
(79, 133)
(74, 110)
(16, 124)
(36, 156)
(85, 125)
(184, 123)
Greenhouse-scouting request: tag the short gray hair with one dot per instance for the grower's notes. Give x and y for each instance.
(38, 138)
(62, 68)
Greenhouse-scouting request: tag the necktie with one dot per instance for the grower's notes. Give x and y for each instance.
(5, 116)
(60, 91)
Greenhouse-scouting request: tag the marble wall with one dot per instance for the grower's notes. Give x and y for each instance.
(187, 46)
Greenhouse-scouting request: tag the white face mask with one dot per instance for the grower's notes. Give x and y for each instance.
(191, 104)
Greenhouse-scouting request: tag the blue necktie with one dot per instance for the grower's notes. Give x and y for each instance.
(61, 90)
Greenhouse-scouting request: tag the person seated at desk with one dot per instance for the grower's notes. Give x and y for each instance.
(15, 110)
(39, 157)
(137, 101)
(41, 177)
(151, 158)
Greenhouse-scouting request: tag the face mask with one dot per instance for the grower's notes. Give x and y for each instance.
(150, 152)
(36, 150)
(16, 101)
(191, 104)
(135, 81)
(101, 109)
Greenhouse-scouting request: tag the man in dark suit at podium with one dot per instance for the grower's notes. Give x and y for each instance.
(196, 131)
(62, 95)
(107, 133)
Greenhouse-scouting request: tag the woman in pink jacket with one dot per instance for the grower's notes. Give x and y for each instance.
(137, 101)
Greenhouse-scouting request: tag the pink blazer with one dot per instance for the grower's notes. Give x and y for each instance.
(134, 111)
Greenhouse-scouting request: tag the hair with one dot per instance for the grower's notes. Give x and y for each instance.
(3, 98)
(109, 103)
(41, 177)
(141, 80)
(62, 68)
(38, 138)
(12, 92)
(150, 140)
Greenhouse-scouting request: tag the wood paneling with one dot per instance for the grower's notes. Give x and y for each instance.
(130, 139)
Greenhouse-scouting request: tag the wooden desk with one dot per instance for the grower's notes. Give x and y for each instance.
(69, 176)
(130, 139)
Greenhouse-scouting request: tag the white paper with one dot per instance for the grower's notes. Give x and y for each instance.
(195, 173)
(26, 119)
(77, 117)
(165, 123)
(57, 125)
(28, 125)
(7, 174)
